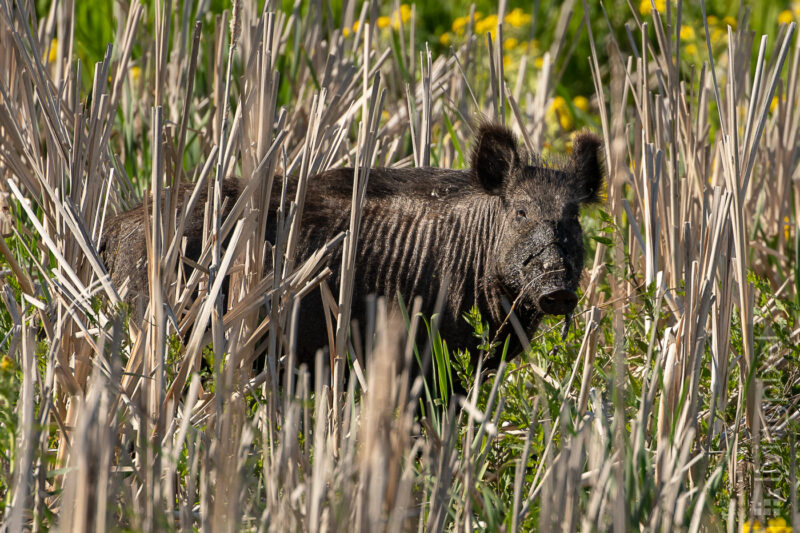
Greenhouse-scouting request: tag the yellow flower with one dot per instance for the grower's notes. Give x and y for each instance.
(538, 62)
(718, 35)
(730, 21)
(712, 20)
(753, 526)
(6, 363)
(785, 17)
(774, 525)
(403, 15)
(690, 49)
(510, 43)
(445, 38)
(385, 115)
(645, 8)
(506, 62)
(460, 23)
(517, 18)
(559, 110)
(487, 24)
(356, 25)
(135, 73)
(773, 104)
(581, 102)
(687, 33)
(383, 22)
(346, 32)
(51, 57)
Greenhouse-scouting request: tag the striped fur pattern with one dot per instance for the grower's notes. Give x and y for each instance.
(506, 228)
(503, 229)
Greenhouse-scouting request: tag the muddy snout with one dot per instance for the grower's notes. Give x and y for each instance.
(558, 301)
(556, 294)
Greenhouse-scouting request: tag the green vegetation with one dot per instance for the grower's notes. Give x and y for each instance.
(671, 403)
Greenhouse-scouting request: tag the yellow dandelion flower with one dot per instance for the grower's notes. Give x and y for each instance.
(785, 17)
(560, 111)
(581, 102)
(777, 525)
(384, 22)
(506, 62)
(510, 43)
(356, 25)
(53, 54)
(690, 49)
(405, 13)
(346, 32)
(687, 33)
(6, 363)
(487, 24)
(517, 18)
(712, 20)
(135, 73)
(385, 115)
(773, 104)
(718, 35)
(729, 21)
(460, 23)
(558, 103)
(645, 8)
(538, 62)
(445, 38)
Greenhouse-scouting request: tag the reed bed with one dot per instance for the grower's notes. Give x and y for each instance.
(672, 403)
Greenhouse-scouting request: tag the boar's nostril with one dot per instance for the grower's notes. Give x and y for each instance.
(528, 260)
(558, 302)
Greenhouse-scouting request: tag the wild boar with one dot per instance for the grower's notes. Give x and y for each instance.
(508, 227)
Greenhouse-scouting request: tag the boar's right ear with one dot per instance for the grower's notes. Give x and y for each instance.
(587, 167)
(494, 157)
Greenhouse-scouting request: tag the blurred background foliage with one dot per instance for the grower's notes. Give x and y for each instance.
(529, 28)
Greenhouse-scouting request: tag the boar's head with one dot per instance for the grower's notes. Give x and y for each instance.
(539, 250)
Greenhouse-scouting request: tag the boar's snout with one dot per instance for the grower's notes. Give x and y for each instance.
(558, 301)
(554, 289)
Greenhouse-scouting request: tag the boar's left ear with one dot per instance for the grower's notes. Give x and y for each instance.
(494, 157)
(586, 166)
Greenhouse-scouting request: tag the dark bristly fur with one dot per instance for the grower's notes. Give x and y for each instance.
(501, 229)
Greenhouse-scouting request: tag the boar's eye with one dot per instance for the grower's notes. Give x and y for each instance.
(521, 214)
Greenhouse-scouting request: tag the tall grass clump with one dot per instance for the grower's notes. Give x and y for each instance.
(671, 403)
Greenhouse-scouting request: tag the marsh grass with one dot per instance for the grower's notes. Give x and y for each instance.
(670, 404)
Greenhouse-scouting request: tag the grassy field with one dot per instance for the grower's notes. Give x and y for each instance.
(673, 403)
